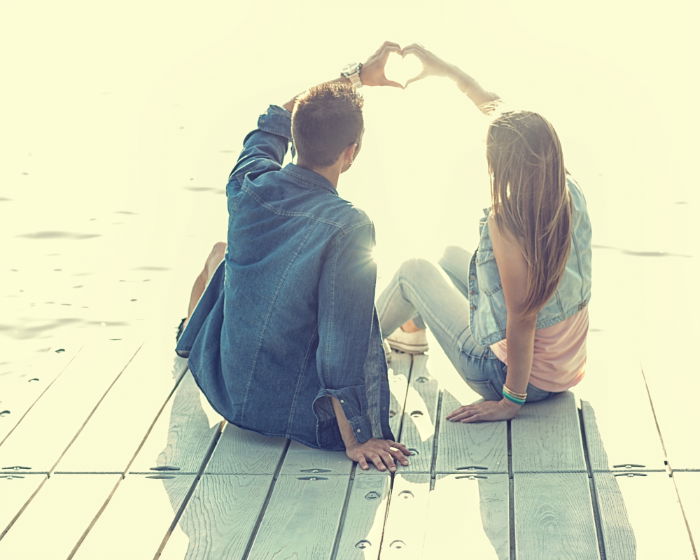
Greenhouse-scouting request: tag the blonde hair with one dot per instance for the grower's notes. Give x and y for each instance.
(530, 198)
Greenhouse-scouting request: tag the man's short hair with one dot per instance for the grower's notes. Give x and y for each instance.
(326, 120)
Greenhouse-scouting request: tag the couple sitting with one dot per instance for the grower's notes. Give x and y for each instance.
(283, 336)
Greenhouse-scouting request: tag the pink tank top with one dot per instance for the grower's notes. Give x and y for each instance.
(559, 357)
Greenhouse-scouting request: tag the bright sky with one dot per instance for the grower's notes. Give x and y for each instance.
(122, 120)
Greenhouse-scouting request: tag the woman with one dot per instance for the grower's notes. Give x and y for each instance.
(513, 316)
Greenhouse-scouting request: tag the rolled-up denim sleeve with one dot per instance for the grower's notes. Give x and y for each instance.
(345, 314)
(263, 148)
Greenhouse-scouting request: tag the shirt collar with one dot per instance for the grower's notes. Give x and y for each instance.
(307, 178)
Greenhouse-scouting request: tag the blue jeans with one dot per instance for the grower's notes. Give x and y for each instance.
(437, 297)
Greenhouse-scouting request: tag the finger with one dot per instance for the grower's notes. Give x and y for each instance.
(418, 77)
(392, 83)
(386, 51)
(389, 461)
(377, 460)
(363, 463)
(398, 455)
(464, 414)
(473, 418)
(401, 447)
(457, 411)
(414, 48)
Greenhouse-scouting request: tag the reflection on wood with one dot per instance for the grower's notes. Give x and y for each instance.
(302, 517)
(302, 460)
(142, 508)
(554, 517)
(399, 374)
(60, 414)
(15, 490)
(641, 518)
(405, 528)
(546, 437)
(219, 519)
(49, 528)
(688, 484)
(240, 451)
(468, 517)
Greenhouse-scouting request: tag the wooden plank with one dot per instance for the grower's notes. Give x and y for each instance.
(240, 451)
(137, 517)
(609, 418)
(50, 529)
(406, 521)
(219, 519)
(554, 517)
(361, 533)
(634, 530)
(468, 514)
(420, 416)
(399, 374)
(302, 518)
(25, 388)
(61, 413)
(110, 439)
(546, 436)
(478, 447)
(182, 436)
(688, 485)
(16, 490)
(303, 460)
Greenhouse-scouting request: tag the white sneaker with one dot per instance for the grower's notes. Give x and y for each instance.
(387, 351)
(410, 343)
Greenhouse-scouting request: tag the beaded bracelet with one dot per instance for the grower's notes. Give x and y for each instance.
(517, 398)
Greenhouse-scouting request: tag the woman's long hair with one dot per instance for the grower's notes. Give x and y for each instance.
(530, 198)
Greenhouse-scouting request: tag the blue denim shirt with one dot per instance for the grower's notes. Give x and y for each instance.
(487, 303)
(289, 319)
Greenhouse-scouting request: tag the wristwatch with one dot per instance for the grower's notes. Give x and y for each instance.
(352, 73)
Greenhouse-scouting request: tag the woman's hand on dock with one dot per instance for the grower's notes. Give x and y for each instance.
(383, 453)
(486, 411)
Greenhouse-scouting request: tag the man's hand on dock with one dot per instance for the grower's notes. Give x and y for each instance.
(383, 453)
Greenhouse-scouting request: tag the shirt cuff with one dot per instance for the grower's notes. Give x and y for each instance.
(355, 412)
(277, 120)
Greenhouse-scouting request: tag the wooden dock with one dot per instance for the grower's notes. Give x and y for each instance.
(110, 451)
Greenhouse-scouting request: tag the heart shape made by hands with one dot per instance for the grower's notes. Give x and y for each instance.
(402, 68)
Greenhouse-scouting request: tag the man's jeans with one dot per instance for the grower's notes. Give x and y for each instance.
(437, 297)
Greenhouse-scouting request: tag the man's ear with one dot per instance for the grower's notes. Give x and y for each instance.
(348, 155)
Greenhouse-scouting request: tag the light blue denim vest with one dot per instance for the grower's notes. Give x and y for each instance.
(487, 303)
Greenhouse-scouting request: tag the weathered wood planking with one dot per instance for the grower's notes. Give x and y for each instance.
(20, 393)
(554, 517)
(617, 416)
(688, 485)
(468, 517)
(477, 447)
(181, 438)
(219, 519)
(137, 518)
(546, 436)
(399, 375)
(641, 518)
(420, 416)
(123, 419)
(16, 490)
(302, 517)
(306, 461)
(240, 451)
(406, 521)
(61, 413)
(57, 516)
(363, 526)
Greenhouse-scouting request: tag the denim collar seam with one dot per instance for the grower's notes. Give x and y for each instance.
(269, 207)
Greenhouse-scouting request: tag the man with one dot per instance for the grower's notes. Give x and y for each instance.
(282, 336)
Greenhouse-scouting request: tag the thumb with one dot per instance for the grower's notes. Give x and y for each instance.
(416, 78)
(393, 83)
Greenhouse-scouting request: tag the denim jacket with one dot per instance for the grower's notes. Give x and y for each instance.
(487, 303)
(289, 319)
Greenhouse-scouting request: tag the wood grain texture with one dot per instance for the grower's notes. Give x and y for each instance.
(546, 436)
(420, 415)
(50, 529)
(361, 533)
(608, 417)
(61, 413)
(136, 519)
(468, 517)
(240, 451)
(16, 490)
(641, 518)
(127, 412)
(306, 461)
(182, 436)
(406, 521)
(554, 517)
(302, 518)
(219, 519)
(461, 446)
(399, 374)
(20, 392)
(688, 485)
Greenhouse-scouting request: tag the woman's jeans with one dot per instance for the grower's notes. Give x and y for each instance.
(437, 297)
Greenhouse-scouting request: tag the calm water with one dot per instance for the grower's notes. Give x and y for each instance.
(120, 125)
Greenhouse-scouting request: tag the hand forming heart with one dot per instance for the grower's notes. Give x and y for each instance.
(404, 68)
(408, 65)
